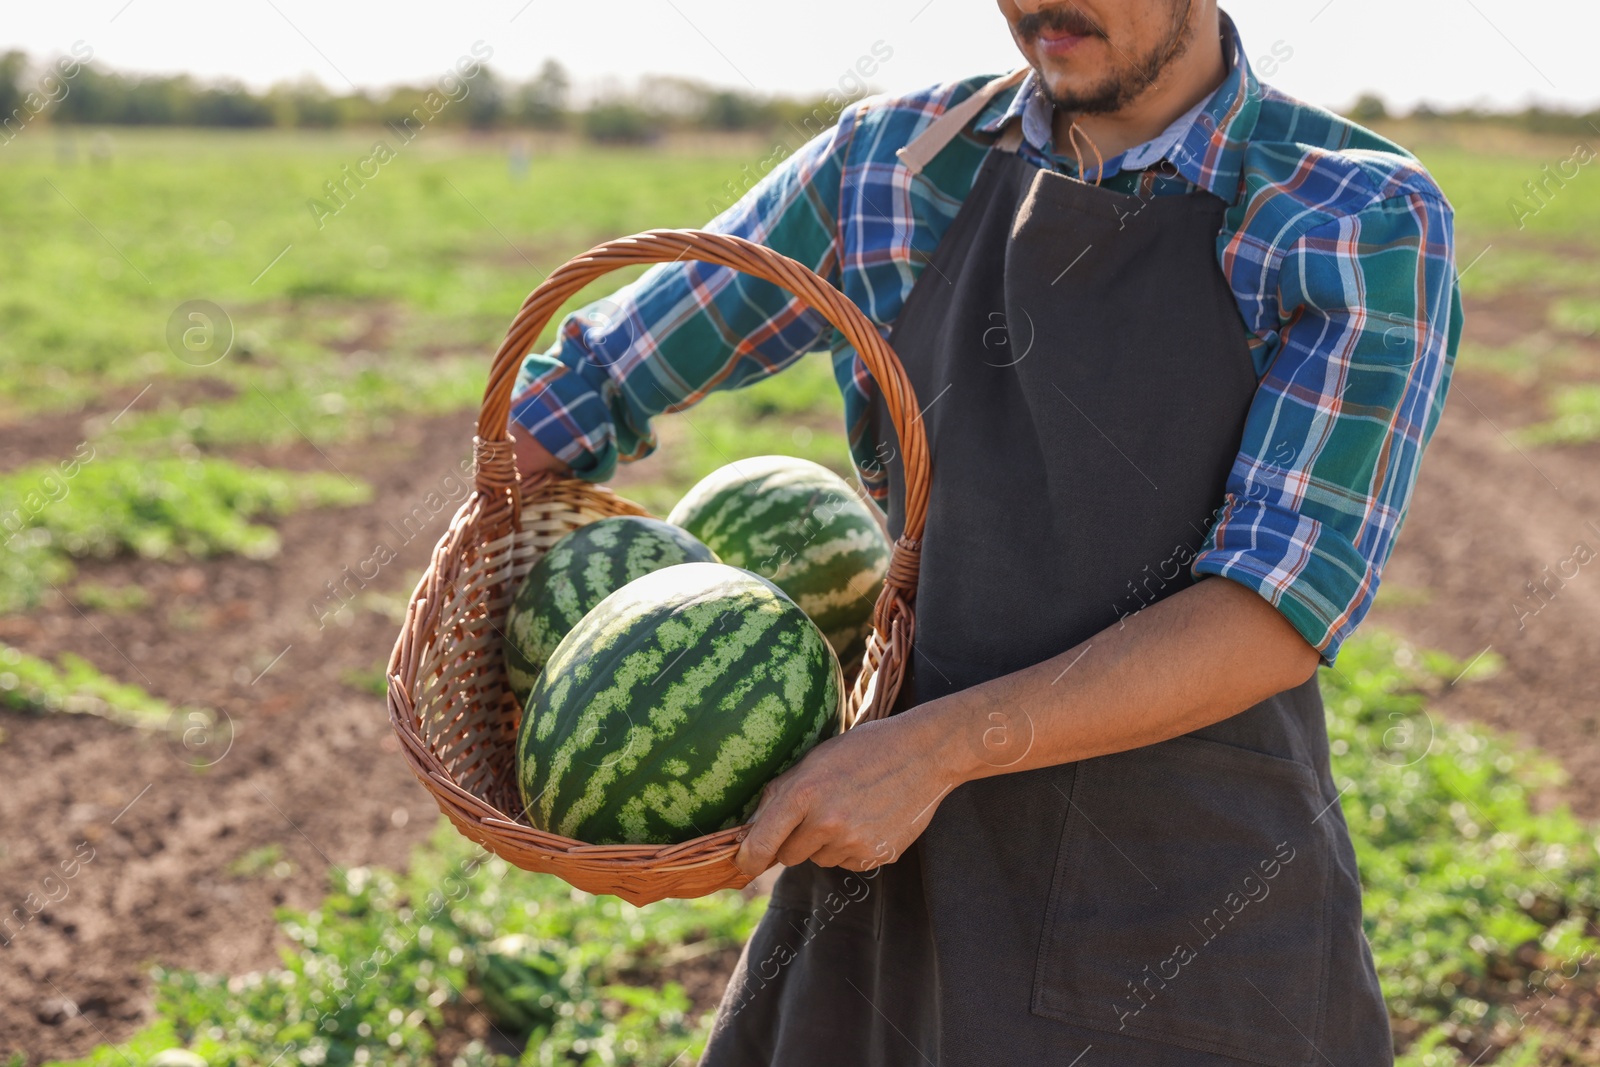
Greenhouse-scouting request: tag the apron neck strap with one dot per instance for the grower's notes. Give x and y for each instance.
(944, 129)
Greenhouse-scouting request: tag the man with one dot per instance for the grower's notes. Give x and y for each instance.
(1180, 341)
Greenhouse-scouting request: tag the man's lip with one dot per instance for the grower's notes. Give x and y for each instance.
(1058, 43)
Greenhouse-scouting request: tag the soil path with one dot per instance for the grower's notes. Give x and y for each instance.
(1501, 554)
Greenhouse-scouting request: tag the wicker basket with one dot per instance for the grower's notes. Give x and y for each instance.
(448, 698)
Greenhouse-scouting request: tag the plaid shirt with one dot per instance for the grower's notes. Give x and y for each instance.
(1337, 246)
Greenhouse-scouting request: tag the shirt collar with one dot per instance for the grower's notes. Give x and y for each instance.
(1206, 145)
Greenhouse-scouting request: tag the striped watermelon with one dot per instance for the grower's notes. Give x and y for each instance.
(579, 571)
(664, 712)
(802, 526)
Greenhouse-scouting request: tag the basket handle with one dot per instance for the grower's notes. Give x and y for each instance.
(497, 477)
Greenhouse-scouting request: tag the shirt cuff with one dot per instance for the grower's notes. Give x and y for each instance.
(567, 416)
(1310, 572)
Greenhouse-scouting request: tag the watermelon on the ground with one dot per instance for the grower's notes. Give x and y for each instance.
(521, 983)
(579, 571)
(663, 713)
(802, 526)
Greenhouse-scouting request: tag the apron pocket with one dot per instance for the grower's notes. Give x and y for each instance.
(1188, 904)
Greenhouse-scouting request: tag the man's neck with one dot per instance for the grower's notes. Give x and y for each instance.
(1182, 84)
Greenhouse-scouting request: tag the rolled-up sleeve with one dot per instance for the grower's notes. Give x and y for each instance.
(1370, 319)
(685, 329)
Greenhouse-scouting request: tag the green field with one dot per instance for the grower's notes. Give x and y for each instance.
(338, 329)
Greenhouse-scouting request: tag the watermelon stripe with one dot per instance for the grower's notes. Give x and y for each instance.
(635, 684)
(799, 525)
(577, 573)
(742, 657)
(664, 712)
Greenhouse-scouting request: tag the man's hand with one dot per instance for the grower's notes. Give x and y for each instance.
(532, 457)
(855, 801)
(1195, 658)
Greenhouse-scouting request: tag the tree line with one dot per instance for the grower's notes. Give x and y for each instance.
(75, 91)
(1369, 107)
(83, 93)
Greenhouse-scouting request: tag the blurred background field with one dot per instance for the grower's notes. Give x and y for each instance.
(194, 615)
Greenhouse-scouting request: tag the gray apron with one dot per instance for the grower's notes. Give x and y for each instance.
(1084, 375)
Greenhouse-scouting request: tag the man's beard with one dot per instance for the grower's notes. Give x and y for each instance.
(1127, 81)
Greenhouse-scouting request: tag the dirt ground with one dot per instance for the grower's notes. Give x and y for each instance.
(241, 637)
(302, 758)
(1491, 561)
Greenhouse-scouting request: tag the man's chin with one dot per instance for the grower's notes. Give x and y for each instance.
(1065, 82)
(1069, 92)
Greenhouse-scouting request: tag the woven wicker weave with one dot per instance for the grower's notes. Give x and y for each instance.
(448, 698)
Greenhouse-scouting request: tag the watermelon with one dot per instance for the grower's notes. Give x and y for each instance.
(521, 983)
(801, 526)
(662, 714)
(579, 571)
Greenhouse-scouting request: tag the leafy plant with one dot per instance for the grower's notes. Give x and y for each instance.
(369, 974)
(259, 861)
(165, 508)
(74, 686)
(373, 680)
(1577, 417)
(112, 599)
(1579, 315)
(1538, 267)
(283, 405)
(1533, 359)
(1473, 897)
(1475, 900)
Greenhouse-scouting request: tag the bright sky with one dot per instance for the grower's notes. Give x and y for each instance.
(1447, 52)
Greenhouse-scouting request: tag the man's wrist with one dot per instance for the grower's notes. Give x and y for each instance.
(948, 738)
(531, 456)
(964, 736)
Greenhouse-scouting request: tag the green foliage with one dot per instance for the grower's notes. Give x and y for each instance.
(1577, 418)
(1507, 266)
(1532, 119)
(395, 301)
(1576, 315)
(140, 1049)
(74, 686)
(796, 413)
(541, 102)
(319, 406)
(111, 599)
(1492, 205)
(1392, 595)
(259, 861)
(1465, 880)
(98, 96)
(1369, 107)
(520, 980)
(373, 680)
(13, 67)
(166, 508)
(1538, 358)
(1473, 898)
(480, 100)
(371, 972)
(620, 122)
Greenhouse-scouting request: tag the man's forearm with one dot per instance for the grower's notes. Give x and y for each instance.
(1193, 659)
